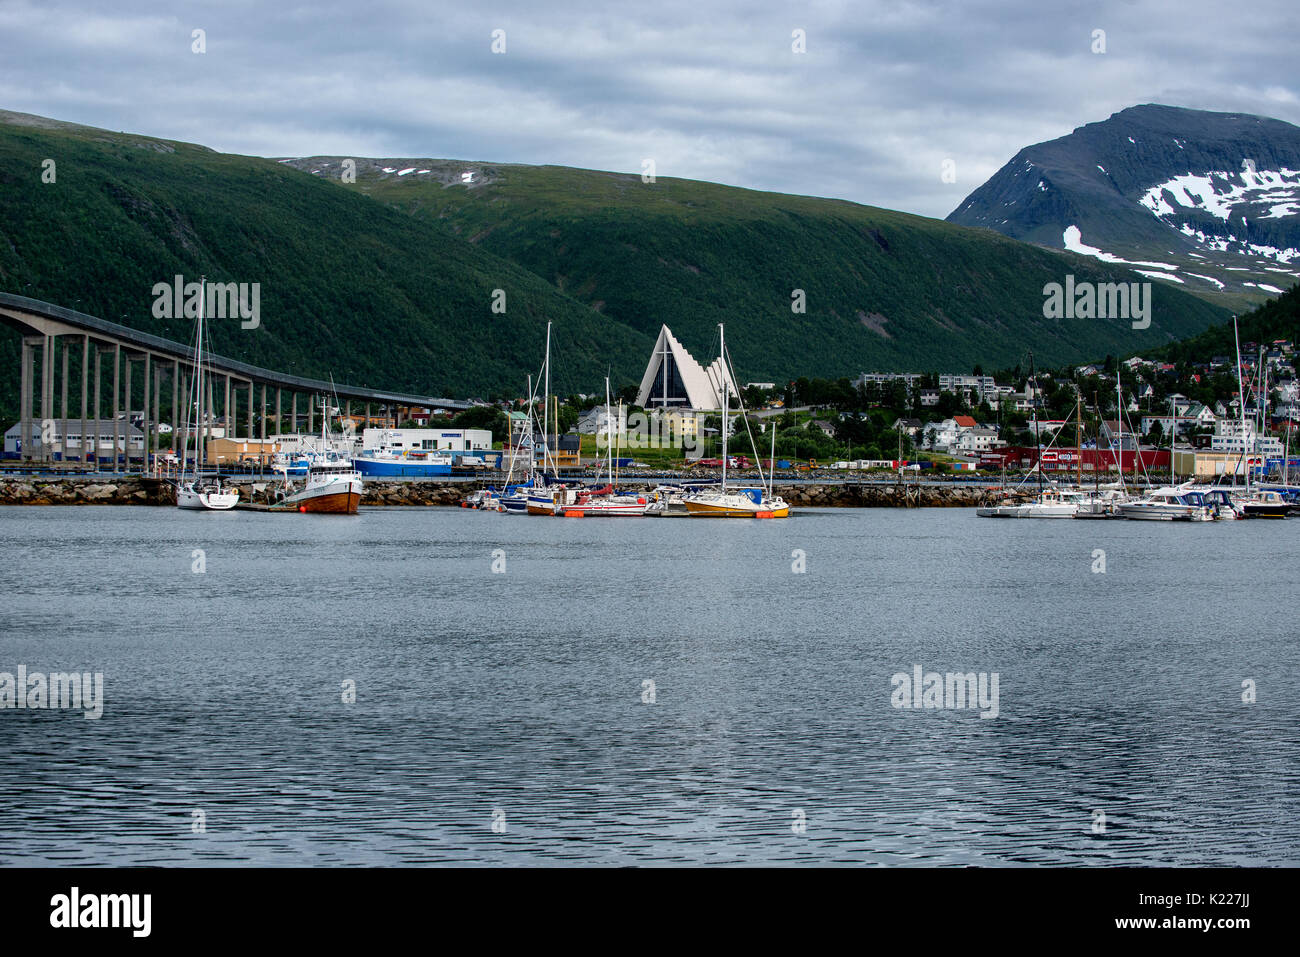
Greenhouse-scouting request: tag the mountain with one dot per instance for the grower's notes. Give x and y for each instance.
(348, 286)
(387, 282)
(1210, 201)
(884, 290)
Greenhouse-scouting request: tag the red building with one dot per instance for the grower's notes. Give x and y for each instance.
(1068, 460)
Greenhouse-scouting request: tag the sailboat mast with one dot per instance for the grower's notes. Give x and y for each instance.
(771, 463)
(722, 352)
(1241, 404)
(1119, 437)
(1078, 439)
(546, 400)
(609, 435)
(199, 444)
(1263, 409)
(1038, 441)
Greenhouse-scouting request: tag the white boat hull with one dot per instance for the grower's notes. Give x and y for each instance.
(198, 499)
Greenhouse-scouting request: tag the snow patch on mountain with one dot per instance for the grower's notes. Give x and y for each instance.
(1220, 192)
(1073, 240)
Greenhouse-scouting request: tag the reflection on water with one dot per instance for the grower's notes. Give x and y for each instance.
(521, 692)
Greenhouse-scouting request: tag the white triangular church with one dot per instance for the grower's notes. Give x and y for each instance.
(674, 380)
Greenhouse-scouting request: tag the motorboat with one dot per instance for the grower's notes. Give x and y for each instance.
(1221, 503)
(1168, 504)
(1265, 503)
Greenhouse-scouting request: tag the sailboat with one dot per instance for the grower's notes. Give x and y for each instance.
(545, 497)
(1051, 501)
(197, 492)
(606, 500)
(1258, 503)
(722, 502)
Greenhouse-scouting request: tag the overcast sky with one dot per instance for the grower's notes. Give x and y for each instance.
(709, 89)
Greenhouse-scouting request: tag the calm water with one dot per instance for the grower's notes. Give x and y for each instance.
(520, 693)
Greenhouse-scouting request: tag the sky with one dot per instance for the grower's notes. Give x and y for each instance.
(907, 106)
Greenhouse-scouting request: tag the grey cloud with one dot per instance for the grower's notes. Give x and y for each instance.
(885, 93)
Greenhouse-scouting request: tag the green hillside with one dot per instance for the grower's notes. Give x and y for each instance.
(348, 286)
(1276, 319)
(885, 290)
(388, 282)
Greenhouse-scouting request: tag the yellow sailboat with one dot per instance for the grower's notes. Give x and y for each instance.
(722, 502)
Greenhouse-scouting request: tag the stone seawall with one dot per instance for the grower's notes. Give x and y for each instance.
(148, 491)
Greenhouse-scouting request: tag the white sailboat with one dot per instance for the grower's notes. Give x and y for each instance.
(606, 500)
(196, 492)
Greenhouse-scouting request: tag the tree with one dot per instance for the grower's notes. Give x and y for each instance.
(483, 417)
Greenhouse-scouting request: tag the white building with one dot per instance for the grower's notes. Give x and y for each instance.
(427, 440)
(1233, 435)
(977, 440)
(65, 439)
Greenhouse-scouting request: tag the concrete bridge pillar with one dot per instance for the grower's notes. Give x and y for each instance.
(117, 394)
(99, 353)
(25, 389)
(126, 421)
(85, 382)
(63, 405)
(146, 411)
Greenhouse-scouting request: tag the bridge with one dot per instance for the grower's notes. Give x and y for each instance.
(59, 334)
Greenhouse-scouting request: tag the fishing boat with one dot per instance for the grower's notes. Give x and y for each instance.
(722, 502)
(390, 461)
(198, 492)
(333, 486)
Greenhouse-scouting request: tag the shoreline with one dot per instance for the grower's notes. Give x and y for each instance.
(152, 491)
